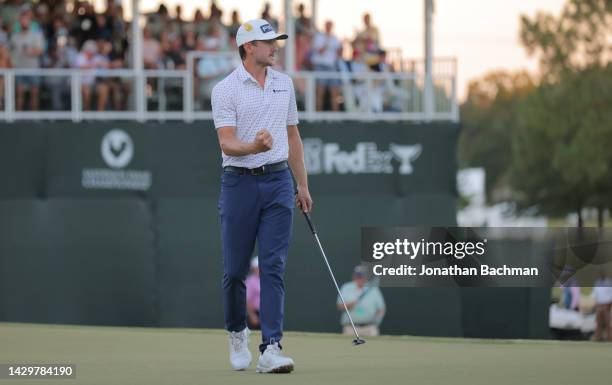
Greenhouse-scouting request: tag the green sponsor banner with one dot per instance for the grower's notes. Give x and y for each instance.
(116, 223)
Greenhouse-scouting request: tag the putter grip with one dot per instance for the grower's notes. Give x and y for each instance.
(312, 228)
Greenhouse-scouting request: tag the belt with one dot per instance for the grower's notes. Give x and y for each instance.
(262, 170)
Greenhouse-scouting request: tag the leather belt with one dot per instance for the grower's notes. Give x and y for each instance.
(262, 170)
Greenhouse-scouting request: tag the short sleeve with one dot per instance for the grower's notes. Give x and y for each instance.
(292, 113)
(380, 301)
(223, 107)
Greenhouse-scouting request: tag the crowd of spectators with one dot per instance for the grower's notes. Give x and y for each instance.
(71, 34)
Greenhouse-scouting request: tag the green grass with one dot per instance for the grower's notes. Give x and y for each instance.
(134, 356)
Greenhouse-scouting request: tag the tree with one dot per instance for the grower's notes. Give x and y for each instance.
(489, 118)
(561, 153)
(579, 38)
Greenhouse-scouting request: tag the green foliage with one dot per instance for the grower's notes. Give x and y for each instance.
(562, 151)
(579, 38)
(489, 117)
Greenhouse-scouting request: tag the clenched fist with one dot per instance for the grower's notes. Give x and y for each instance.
(263, 141)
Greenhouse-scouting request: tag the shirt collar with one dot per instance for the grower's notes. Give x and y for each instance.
(244, 75)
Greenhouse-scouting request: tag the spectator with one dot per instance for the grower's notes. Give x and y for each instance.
(25, 9)
(62, 54)
(602, 292)
(215, 13)
(356, 87)
(175, 56)
(90, 58)
(27, 48)
(266, 15)
(304, 33)
(364, 302)
(9, 12)
(5, 62)
(115, 14)
(176, 24)
(326, 51)
(369, 40)
(252, 295)
(4, 39)
(158, 21)
(87, 25)
(116, 87)
(200, 24)
(151, 50)
(235, 25)
(190, 40)
(104, 27)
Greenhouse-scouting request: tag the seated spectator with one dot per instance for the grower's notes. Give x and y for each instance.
(326, 52)
(62, 54)
(364, 302)
(174, 57)
(90, 58)
(355, 91)
(27, 48)
(189, 40)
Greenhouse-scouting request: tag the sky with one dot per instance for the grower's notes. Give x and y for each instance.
(481, 34)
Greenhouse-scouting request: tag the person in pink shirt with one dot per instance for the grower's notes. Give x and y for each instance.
(252, 295)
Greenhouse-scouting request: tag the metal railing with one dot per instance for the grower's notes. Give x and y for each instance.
(185, 94)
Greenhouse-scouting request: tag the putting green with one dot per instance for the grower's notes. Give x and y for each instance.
(133, 356)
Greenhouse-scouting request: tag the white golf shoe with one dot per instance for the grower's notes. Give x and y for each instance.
(240, 356)
(272, 361)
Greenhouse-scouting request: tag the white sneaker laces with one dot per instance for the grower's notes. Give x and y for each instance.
(238, 339)
(274, 349)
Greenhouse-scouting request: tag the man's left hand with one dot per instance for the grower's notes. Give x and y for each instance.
(303, 199)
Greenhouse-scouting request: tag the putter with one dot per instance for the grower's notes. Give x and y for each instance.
(357, 340)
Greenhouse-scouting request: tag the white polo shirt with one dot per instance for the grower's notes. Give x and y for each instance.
(239, 101)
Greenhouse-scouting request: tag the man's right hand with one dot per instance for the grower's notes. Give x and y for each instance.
(263, 141)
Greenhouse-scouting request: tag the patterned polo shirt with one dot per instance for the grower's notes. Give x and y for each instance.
(239, 101)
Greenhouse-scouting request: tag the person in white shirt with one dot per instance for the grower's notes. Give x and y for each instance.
(255, 115)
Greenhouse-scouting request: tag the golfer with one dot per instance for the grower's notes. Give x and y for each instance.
(255, 115)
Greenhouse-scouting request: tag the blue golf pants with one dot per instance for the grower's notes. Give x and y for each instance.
(256, 207)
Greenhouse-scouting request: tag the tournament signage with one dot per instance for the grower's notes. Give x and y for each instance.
(117, 150)
(364, 158)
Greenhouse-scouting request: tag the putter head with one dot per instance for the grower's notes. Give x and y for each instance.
(358, 341)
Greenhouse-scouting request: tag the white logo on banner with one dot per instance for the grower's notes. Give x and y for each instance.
(327, 158)
(117, 148)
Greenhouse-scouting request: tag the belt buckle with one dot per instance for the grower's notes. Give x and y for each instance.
(258, 171)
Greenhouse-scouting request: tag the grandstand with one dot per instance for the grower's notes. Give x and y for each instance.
(99, 66)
